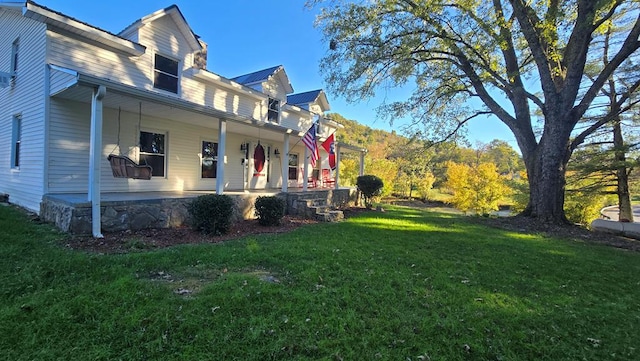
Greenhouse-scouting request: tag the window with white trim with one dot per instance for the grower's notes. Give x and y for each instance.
(293, 166)
(273, 114)
(152, 152)
(209, 167)
(165, 74)
(16, 140)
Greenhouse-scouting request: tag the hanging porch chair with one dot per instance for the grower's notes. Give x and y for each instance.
(124, 167)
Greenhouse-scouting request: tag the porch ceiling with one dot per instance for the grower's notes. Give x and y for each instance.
(131, 103)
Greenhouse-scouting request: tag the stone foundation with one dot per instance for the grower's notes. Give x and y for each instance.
(117, 216)
(75, 218)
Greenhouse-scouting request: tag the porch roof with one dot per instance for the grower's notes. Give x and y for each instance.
(78, 86)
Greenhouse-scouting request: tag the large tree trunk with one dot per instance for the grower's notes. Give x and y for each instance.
(546, 187)
(546, 171)
(624, 198)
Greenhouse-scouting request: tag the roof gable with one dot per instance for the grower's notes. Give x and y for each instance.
(264, 75)
(176, 15)
(314, 96)
(59, 20)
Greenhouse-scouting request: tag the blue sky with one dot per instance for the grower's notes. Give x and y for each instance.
(249, 35)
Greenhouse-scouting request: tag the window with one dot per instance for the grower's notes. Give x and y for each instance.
(152, 152)
(293, 166)
(165, 74)
(16, 140)
(14, 58)
(274, 110)
(209, 159)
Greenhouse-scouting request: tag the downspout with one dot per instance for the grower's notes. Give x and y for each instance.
(305, 174)
(222, 141)
(285, 163)
(95, 155)
(338, 157)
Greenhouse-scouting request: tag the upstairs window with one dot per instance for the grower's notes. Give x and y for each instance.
(152, 152)
(165, 74)
(16, 140)
(209, 159)
(14, 58)
(273, 114)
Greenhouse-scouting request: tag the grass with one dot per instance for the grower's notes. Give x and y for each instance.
(401, 285)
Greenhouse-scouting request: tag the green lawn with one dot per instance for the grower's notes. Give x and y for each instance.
(405, 284)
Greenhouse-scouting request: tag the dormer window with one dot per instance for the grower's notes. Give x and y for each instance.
(274, 110)
(165, 74)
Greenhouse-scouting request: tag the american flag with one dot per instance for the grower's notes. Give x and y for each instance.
(309, 140)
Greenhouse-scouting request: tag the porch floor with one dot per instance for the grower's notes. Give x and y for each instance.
(82, 198)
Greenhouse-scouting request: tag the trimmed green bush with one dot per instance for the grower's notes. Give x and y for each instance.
(211, 213)
(269, 210)
(370, 186)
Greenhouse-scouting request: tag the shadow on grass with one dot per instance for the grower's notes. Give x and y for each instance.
(400, 284)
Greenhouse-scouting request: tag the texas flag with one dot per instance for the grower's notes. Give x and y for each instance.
(330, 146)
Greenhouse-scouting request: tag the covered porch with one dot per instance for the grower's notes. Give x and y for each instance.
(114, 115)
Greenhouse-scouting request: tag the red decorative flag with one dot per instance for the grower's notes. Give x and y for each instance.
(330, 146)
(309, 140)
(258, 160)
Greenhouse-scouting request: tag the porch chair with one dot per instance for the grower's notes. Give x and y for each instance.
(327, 180)
(124, 167)
(313, 180)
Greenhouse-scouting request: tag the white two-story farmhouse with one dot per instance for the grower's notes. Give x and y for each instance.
(94, 119)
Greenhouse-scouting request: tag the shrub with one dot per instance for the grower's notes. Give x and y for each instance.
(519, 191)
(582, 205)
(211, 213)
(269, 210)
(370, 186)
(479, 188)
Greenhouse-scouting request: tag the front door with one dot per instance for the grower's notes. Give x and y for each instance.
(258, 171)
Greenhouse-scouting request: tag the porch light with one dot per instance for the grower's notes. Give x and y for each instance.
(243, 147)
(276, 152)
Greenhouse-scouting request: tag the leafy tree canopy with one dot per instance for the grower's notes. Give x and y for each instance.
(517, 57)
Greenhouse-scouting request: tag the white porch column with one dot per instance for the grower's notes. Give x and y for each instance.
(305, 172)
(337, 176)
(361, 163)
(285, 163)
(95, 156)
(222, 151)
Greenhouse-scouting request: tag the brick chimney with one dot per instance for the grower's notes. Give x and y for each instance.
(200, 57)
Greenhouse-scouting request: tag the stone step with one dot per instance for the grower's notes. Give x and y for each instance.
(330, 216)
(320, 209)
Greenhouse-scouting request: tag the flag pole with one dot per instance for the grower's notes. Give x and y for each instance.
(293, 146)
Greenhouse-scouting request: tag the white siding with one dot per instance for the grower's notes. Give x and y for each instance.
(315, 108)
(69, 151)
(221, 99)
(26, 97)
(78, 55)
(162, 37)
(55, 132)
(60, 80)
(275, 89)
(295, 120)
